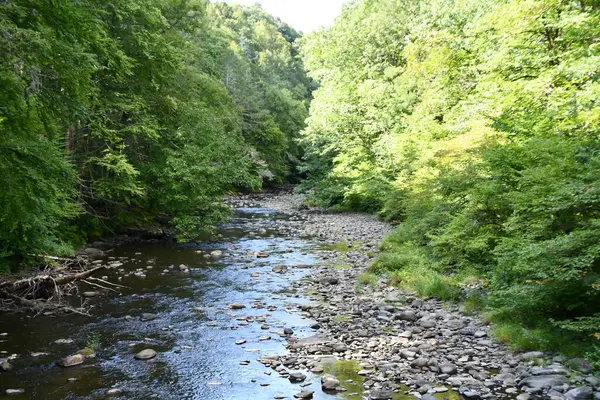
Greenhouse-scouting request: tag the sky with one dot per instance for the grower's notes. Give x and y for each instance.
(302, 15)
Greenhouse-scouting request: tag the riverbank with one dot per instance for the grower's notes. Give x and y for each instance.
(407, 344)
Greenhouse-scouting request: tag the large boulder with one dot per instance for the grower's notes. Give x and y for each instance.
(543, 381)
(580, 393)
(329, 382)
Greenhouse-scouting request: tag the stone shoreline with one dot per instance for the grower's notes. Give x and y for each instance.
(404, 344)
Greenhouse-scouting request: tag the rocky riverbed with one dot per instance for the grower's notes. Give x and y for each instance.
(271, 307)
(403, 344)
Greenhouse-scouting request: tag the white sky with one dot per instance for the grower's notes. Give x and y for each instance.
(302, 15)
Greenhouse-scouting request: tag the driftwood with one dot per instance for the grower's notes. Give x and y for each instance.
(47, 290)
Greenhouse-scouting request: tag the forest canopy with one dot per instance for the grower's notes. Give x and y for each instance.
(119, 114)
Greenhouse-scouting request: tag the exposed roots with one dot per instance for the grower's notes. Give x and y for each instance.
(48, 291)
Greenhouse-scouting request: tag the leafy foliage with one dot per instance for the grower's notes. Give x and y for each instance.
(479, 122)
(118, 114)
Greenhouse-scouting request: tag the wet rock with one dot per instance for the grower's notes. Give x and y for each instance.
(236, 306)
(543, 381)
(14, 392)
(91, 294)
(295, 377)
(240, 342)
(93, 253)
(216, 254)
(280, 269)
(305, 394)
(329, 382)
(114, 392)
(524, 396)
(5, 365)
(288, 331)
(184, 268)
(580, 393)
(148, 317)
(262, 254)
(146, 354)
(71, 361)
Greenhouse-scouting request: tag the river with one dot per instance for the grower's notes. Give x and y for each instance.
(193, 330)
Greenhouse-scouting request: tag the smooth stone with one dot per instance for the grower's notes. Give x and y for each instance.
(148, 317)
(305, 394)
(381, 394)
(71, 361)
(329, 382)
(14, 392)
(297, 377)
(146, 354)
(114, 391)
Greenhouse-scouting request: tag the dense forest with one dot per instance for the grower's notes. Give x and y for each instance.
(121, 114)
(472, 125)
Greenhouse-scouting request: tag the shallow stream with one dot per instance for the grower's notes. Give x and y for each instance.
(194, 332)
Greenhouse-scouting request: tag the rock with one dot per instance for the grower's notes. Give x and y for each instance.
(262, 254)
(407, 316)
(5, 365)
(419, 362)
(524, 396)
(14, 392)
(329, 382)
(543, 381)
(532, 355)
(146, 354)
(93, 253)
(63, 341)
(471, 394)
(581, 365)
(580, 393)
(148, 316)
(236, 306)
(305, 394)
(114, 391)
(216, 254)
(288, 331)
(90, 294)
(240, 342)
(429, 397)
(280, 269)
(448, 368)
(407, 353)
(297, 377)
(71, 361)
(427, 323)
(183, 268)
(381, 394)
(550, 370)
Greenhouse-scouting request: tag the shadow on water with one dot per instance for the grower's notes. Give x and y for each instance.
(192, 330)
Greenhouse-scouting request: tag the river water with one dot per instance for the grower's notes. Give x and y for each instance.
(194, 332)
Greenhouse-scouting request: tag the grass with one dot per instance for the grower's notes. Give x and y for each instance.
(409, 266)
(366, 279)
